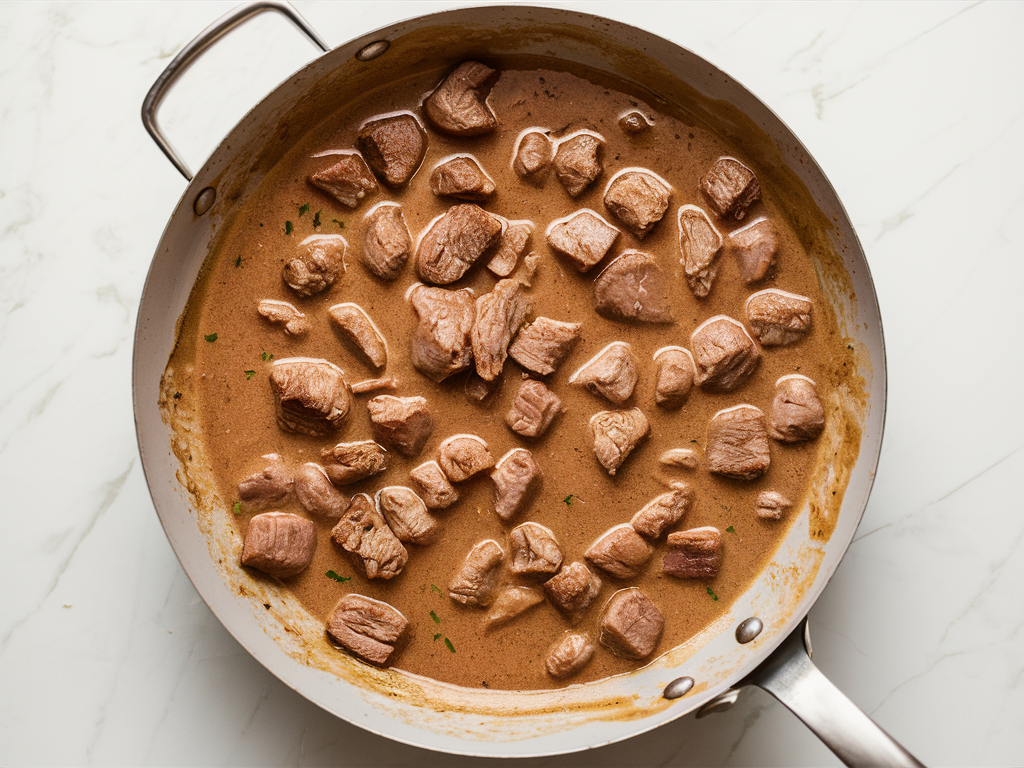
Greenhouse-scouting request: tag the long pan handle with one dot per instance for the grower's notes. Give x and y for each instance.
(790, 676)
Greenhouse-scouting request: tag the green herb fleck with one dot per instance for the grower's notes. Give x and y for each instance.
(567, 500)
(210, 337)
(288, 227)
(265, 356)
(723, 506)
(249, 374)
(437, 637)
(435, 617)
(316, 220)
(449, 644)
(337, 578)
(237, 509)
(435, 588)
(730, 529)
(339, 223)
(693, 441)
(304, 209)
(238, 261)
(713, 595)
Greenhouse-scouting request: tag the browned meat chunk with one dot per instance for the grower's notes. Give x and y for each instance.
(620, 551)
(317, 494)
(533, 410)
(407, 515)
(279, 544)
(434, 488)
(694, 554)
(293, 322)
(510, 248)
(535, 550)
(543, 344)
(611, 373)
(394, 147)
(463, 456)
(578, 162)
(321, 258)
(616, 434)
(771, 505)
(268, 487)
(662, 512)
(387, 244)
(573, 589)
(361, 331)
(512, 602)
(777, 317)
(441, 343)
(349, 462)
(700, 244)
(370, 544)
(455, 242)
(476, 580)
(401, 423)
(533, 156)
(673, 376)
(634, 123)
(638, 200)
(459, 105)
(797, 412)
(348, 181)
(584, 237)
(631, 624)
(461, 178)
(724, 356)
(515, 477)
(479, 389)
(374, 385)
(731, 188)
(367, 628)
(737, 443)
(633, 287)
(312, 396)
(499, 313)
(680, 457)
(755, 247)
(569, 655)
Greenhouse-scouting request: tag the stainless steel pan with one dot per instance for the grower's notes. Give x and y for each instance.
(761, 641)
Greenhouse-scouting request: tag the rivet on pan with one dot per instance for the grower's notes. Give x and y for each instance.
(204, 201)
(678, 687)
(719, 703)
(373, 50)
(748, 629)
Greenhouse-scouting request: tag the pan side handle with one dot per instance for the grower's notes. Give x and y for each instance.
(790, 676)
(191, 53)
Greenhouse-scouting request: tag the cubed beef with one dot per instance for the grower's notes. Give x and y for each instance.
(584, 237)
(461, 178)
(535, 550)
(433, 486)
(454, 242)
(755, 247)
(543, 344)
(634, 123)
(291, 320)
(387, 243)
(778, 317)
(499, 313)
(350, 462)
(620, 551)
(407, 515)
(737, 443)
(441, 343)
(367, 628)
(279, 544)
(459, 104)
(511, 246)
(578, 162)
(616, 434)
(662, 512)
(633, 287)
(401, 423)
(797, 412)
(694, 554)
(478, 389)
(686, 458)
(533, 409)
(724, 355)
(731, 188)
(510, 603)
(771, 505)
(361, 331)
(316, 265)
(348, 181)
(317, 494)
(516, 476)
(533, 156)
(463, 456)
(573, 589)
(476, 580)
(637, 199)
(394, 147)
(673, 376)
(631, 624)
(268, 487)
(700, 244)
(611, 373)
(374, 385)
(312, 395)
(569, 655)
(370, 544)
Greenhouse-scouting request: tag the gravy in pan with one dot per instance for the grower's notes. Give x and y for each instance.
(235, 349)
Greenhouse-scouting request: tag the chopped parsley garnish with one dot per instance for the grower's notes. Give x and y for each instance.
(435, 617)
(436, 589)
(337, 578)
(437, 637)
(237, 509)
(288, 227)
(449, 644)
(316, 220)
(713, 595)
(339, 223)
(567, 500)
(723, 506)
(265, 356)
(210, 337)
(249, 374)
(304, 209)
(730, 529)
(238, 261)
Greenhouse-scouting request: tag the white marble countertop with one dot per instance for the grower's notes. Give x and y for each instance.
(107, 653)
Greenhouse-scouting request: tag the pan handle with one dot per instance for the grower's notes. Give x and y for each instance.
(191, 52)
(790, 676)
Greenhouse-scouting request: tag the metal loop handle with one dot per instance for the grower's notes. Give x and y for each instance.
(191, 53)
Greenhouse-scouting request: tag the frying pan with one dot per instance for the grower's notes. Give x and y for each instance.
(762, 640)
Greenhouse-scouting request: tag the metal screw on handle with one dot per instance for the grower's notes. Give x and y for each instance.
(191, 53)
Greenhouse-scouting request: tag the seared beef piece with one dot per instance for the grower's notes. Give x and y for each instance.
(407, 515)
(569, 655)
(777, 317)
(319, 261)
(633, 287)
(499, 313)
(401, 423)
(459, 105)
(699, 243)
(533, 410)
(543, 344)
(511, 602)
(348, 462)
(279, 543)
(461, 178)
(616, 434)
(317, 494)
(573, 589)
(434, 488)
(441, 343)
(724, 356)
(374, 385)
(369, 542)
(680, 457)
(293, 322)
(515, 477)
(797, 412)
(348, 181)
(387, 244)
(771, 505)
(578, 162)
(394, 147)
(463, 456)
(620, 551)
(611, 373)
(731, 188)
(475, 581)
(634, 123)
(367, 628)
(479, 389)
(455, 242)
(737, 443)
(662, 512)
(533, 156)
(694, 554)
(268, 487)
(312, 396)
(535, 550)
(638, 200)
(510, 248)
(673, 376)
(755, 247)
(631, 624)
(585, 239)
(361, 331)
